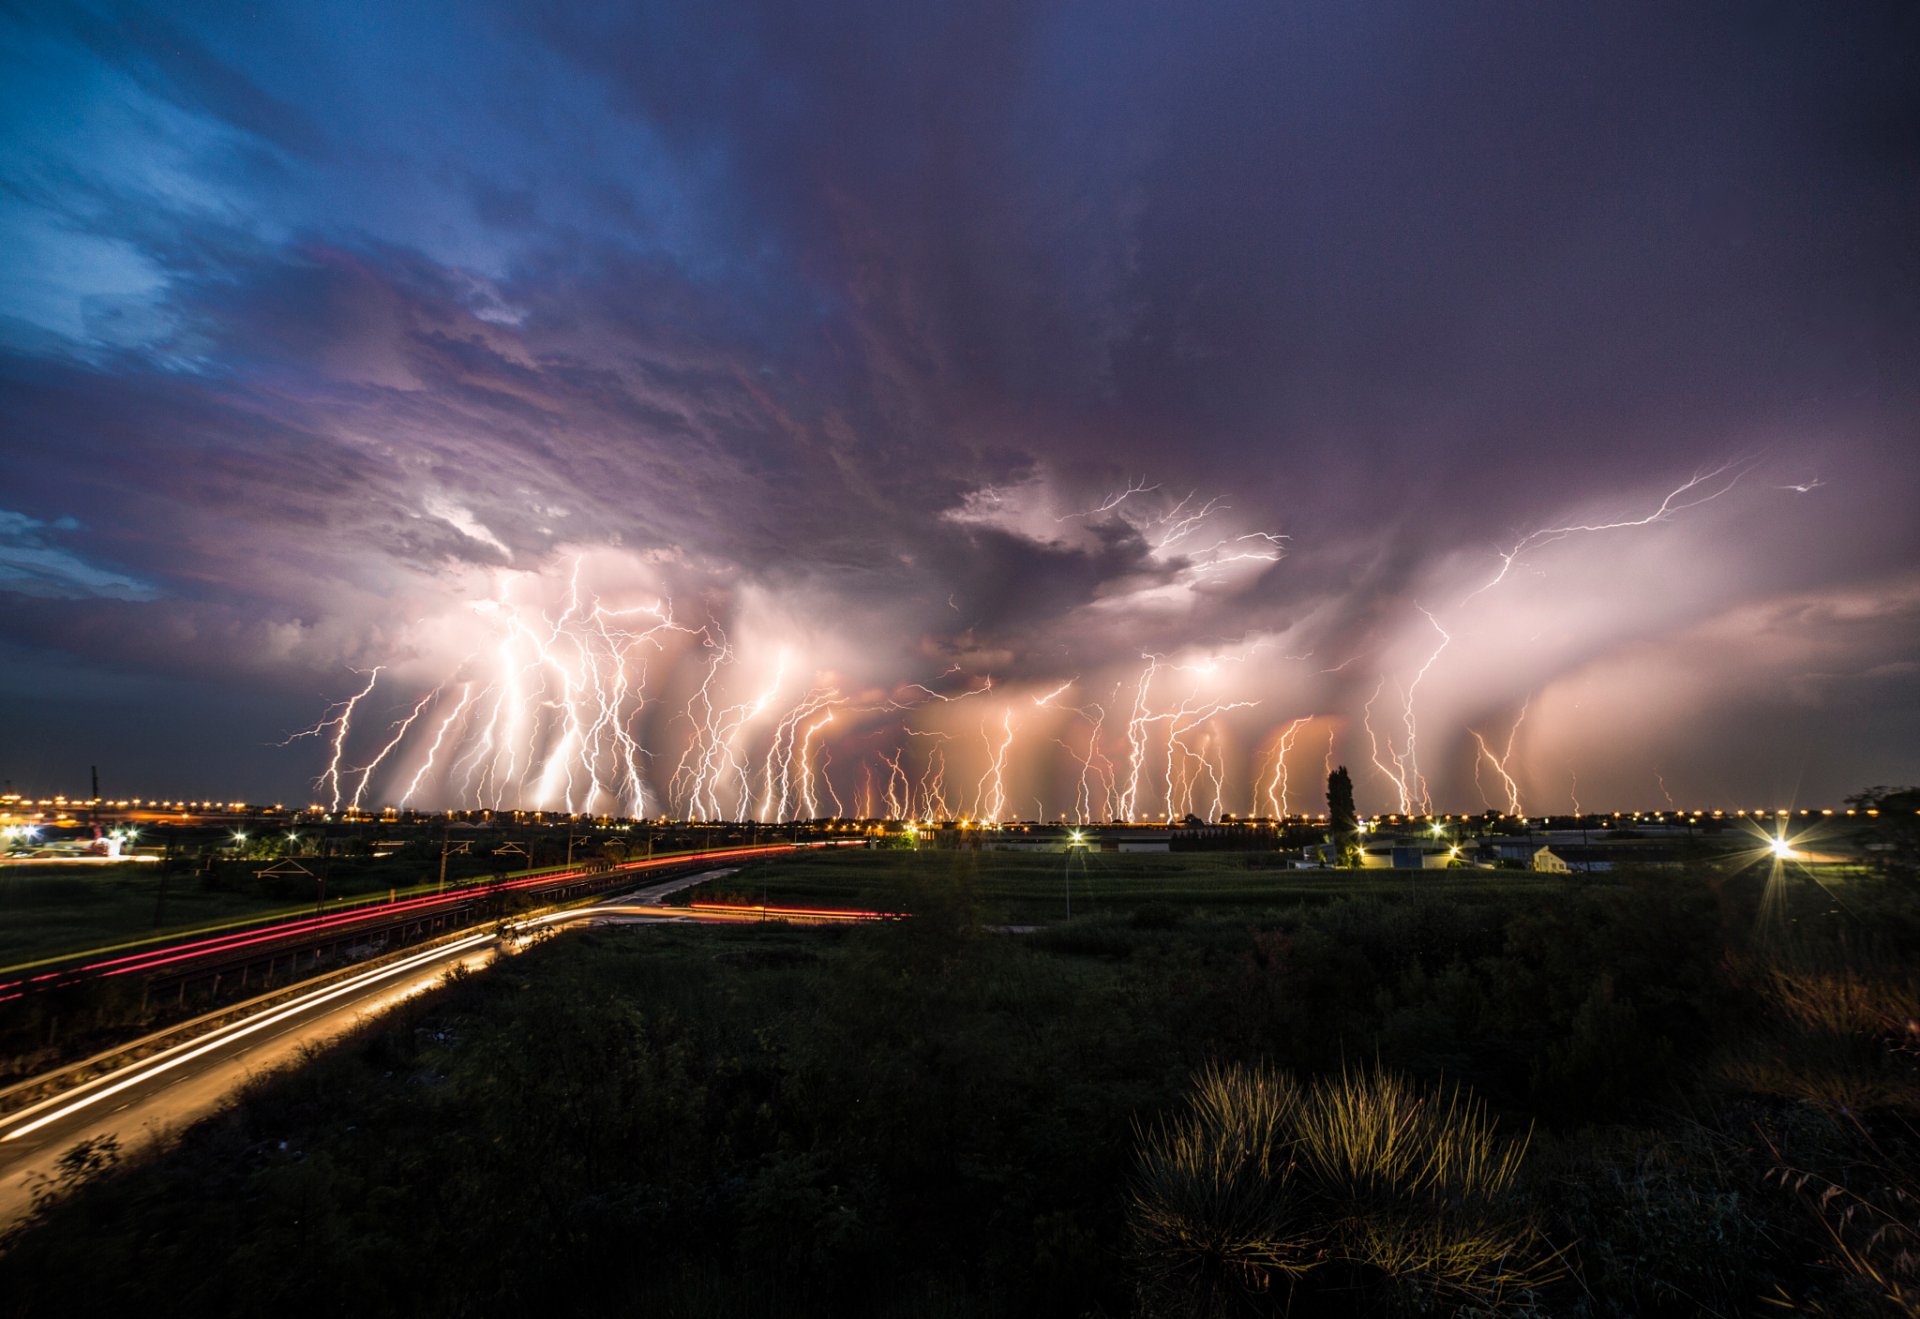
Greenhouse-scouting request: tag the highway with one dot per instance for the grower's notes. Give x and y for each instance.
(364, 924)
(149, 1100)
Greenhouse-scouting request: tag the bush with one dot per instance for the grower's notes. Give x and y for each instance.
(1356, 1181)
(1215, 1212)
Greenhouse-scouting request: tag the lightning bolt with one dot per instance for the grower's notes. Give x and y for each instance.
(399, 731)
(339, 718)
(1112, 501)
(1277, 798)
(1396, 775)
(1676, 501)
(990, 797)
(433, 749)
(899, 794)
(1414, 778)
(1501, 762)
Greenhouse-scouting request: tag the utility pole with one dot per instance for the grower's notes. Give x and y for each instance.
(326, 864)
(160, 899)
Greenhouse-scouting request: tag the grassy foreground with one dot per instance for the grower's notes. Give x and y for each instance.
(1671, 1096)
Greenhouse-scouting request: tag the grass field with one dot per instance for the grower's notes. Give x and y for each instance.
(923, 1117)
(1015, 888)
(55, 911)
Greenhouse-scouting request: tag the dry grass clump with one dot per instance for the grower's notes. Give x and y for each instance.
(1216, 1214)
(1359, 1179)
(1842, 1029)
(1872, 1237)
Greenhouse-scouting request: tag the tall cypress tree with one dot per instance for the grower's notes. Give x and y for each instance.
(1342, 819)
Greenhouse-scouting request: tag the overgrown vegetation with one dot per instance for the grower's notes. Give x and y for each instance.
(1307, 1103)
(1355, 1183)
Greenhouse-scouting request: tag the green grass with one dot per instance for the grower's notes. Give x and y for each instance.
(1021, 888)
(47, 914)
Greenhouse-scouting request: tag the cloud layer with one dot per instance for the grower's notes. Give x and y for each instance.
(1306, 365)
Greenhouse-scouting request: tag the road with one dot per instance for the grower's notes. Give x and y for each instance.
(149, 1100)
(231, 950)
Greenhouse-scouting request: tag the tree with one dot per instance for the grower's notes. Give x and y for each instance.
(1342, 819)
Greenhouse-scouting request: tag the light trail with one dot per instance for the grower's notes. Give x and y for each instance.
(106, 1086)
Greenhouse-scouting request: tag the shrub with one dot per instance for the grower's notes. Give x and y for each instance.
(1420, 1186)
(1360, 1177)
(1214, 1210)
(1841, 1029)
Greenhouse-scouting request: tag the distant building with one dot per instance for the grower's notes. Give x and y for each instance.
(1402, 854)
(1545, 862)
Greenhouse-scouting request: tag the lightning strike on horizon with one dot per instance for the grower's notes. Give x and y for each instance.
(826, 759)
(340, 723)
(928, 800)
(779, 777)
(400, 731)
(899, 792)
(1277, 796)
(1415, 779)
(1185, 763)
(1500, 763)
(1137, 720)
(433, 749)
(992, 787)
(1083, 791)
(806, 770)
(1397, 775)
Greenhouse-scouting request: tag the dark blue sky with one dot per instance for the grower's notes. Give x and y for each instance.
(343, 336)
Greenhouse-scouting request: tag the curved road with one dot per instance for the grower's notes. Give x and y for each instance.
(148, 1100)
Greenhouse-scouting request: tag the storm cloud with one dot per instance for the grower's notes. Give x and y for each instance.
(1009, 372)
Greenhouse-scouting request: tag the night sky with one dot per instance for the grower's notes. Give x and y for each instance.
(1106, 390)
